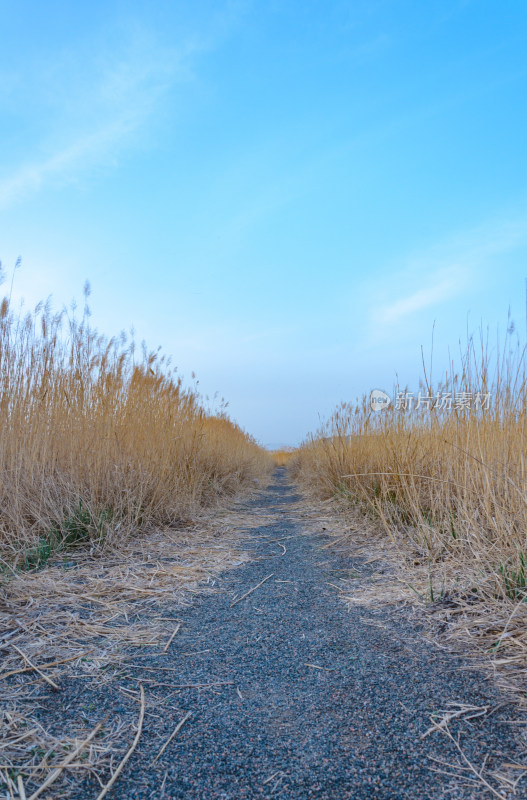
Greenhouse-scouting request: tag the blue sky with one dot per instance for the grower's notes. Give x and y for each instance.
(284, 195)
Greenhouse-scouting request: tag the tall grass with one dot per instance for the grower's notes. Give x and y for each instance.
(448, 484)
(282, 457)
(98, 441)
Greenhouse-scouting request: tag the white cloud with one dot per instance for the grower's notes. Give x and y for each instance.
(418, 300)
(94, 113)
(444, 271)
(80, 154)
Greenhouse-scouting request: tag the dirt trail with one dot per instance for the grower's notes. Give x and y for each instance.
(295, 696)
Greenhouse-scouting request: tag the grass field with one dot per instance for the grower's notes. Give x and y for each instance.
(282, 457)
(444, 476)
(114, 515)
(100, 441)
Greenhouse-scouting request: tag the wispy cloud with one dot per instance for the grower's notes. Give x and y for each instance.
(79, 155)
(96, 112)
(432, 278)
(441, 288)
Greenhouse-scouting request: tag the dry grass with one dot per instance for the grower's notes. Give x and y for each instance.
(79, 620)
(109, 471)
(282, 457)
(448, 487)
(99, 443)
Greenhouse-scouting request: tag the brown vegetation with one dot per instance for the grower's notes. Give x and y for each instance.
(447, 483)
(99, 442)
(108, 470)
(281, 457)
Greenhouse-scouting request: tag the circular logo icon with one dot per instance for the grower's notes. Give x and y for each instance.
(379, 400)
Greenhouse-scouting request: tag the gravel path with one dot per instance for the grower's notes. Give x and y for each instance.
(316, 702)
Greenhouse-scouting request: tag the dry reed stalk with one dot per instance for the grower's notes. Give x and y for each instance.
(129, 751)
(57, 772)
(172, 735)
(99, 444)
(171, 639)
(253, 589)
(35, 668)
(442, 727)
(47, 665)
(21, 788)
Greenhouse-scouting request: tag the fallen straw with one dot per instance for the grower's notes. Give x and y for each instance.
(184, 685)
(251, 590)
(48, 665)
(478, 773)
(72, 756)
(30, 663)
(178, 626)
(130, 751)
(21, 789)
(174, 732)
